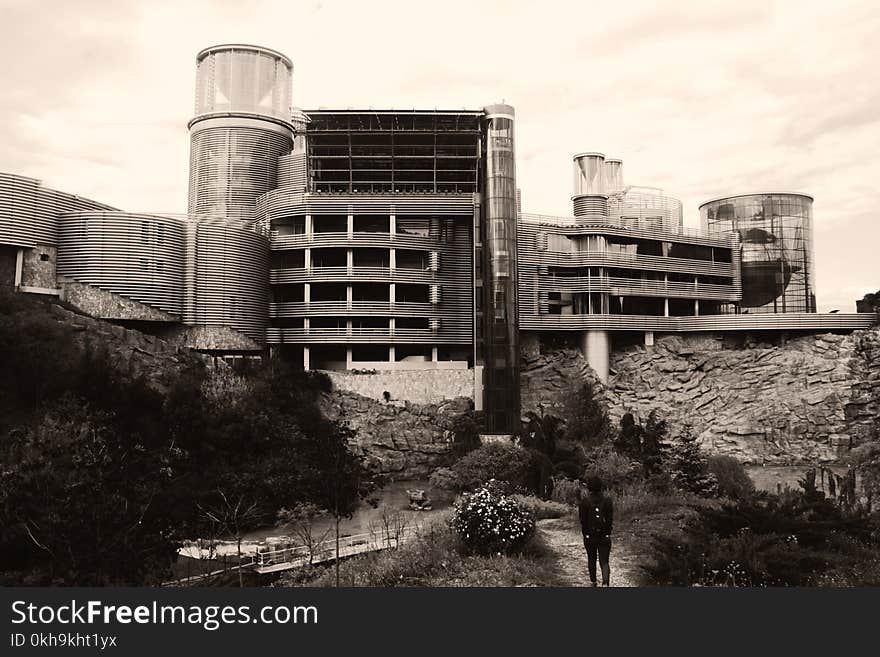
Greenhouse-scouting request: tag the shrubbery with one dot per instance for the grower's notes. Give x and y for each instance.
(501, 461)
(733, 480)
(488, 521)
(798, 539)
(541, 509)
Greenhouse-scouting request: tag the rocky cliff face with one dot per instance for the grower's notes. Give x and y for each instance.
(805, 401)
(549, 373)
(401, 441)
(130, 351)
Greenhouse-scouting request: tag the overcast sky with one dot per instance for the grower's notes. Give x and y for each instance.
(703, 99)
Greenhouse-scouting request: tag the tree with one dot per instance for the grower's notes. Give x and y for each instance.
(302, 521)
(688, 466)
(340, 479)
(865, 460)
(83, 503)
(585, 418)
(232, 516)
(629, 439)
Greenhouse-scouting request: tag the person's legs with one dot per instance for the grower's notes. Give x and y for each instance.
(604, 553)
(592, 553)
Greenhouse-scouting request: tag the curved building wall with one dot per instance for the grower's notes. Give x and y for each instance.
(776, 231)
(232, 162)
(29, 212)
(226, 275)
(139, 256)
(648, 208)
(293, 172)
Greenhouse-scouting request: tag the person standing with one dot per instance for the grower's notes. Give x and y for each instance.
(596, 512)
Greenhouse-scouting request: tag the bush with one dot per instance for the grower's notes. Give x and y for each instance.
(443, 479)
(500, 461)
(487, 521)
(768, 540)
(541, 509)
(615, 470)
(566, 491)
(733, 481)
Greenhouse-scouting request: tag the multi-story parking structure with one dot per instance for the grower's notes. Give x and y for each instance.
(372, 241)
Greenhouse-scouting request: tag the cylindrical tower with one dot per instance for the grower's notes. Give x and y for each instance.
(590, 199)
(242, 125)
(613, 176)
(500, 311)
(776, 231)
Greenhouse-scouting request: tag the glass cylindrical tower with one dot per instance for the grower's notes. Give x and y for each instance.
(500, 311)
(590, 199)
(613, 176)
(776, 231)
(242, 125)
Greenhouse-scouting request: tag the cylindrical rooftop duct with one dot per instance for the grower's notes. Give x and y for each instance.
(590, 199)
(613, 176)
(589, 174)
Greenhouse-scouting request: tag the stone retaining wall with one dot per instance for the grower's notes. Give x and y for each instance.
(416, 386)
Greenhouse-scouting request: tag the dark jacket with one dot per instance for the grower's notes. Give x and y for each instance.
(591, 525)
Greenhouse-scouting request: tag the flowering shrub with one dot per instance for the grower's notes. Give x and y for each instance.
(489, 521)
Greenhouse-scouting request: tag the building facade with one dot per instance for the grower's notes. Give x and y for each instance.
(392, 240)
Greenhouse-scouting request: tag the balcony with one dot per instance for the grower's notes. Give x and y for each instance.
(354, 274)
(355, 309)
(632, 287)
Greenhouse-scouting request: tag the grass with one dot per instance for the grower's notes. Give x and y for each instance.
(434, 557)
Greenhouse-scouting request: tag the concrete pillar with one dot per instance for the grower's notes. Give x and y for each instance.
(478, 387)
(392, 293)
(348, 296)
(392, 227)
(392, 325)
(649, 338)
(392, 259)
(19, 266)
(349, 260)
(306, 363)
(666, 307)
(596, 348)
(350, 228)
(308, 258)
(392, 356)
(696, 307)
(433, 354)
(348, 359)
(310, 228)
(307, 292)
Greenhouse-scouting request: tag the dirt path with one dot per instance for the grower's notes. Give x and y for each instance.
(563, 537)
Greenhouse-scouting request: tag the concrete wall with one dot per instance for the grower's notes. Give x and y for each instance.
(38, 267)
(416, 386)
